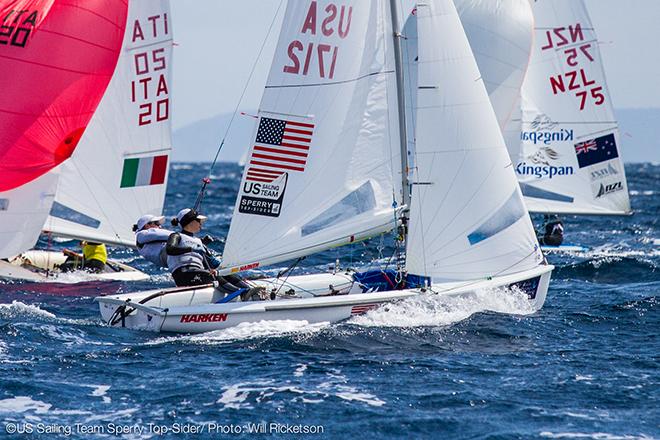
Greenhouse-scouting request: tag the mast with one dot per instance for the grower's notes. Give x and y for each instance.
(401, 101)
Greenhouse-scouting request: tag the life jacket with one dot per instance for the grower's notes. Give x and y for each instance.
(151, 245)
(95, 251)
(194, 258)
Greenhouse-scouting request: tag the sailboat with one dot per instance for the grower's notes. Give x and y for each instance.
(566, 145)
(77, 50)
(501, 37)
(328, 167)
(118, 171)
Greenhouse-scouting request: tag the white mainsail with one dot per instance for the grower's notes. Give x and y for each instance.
(567, 150)
(119, 169)
(324, 167)
(467, 217)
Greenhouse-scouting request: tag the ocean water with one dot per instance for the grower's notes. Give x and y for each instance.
(585, 367)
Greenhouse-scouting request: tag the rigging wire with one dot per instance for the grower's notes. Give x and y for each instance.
(207, 180)
(288, 272)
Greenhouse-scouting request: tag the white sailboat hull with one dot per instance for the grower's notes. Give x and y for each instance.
(41, 265)
(194, 310)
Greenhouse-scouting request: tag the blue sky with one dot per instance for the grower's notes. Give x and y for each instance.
(217, 43)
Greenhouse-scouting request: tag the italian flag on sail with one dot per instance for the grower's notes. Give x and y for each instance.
(142, 171)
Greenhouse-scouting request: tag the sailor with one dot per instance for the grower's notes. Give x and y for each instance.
(553, 231)
(192, 263)
(95, 256)
(151, 238)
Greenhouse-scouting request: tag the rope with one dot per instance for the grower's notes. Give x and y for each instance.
(288, 272)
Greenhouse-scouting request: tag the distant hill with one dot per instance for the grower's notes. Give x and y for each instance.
(198, 142)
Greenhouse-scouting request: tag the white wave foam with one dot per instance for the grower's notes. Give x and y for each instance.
(580, 378)
(240, 395)
(594, 435)
(17, 308)
(76, 337)
(443, 310)
(614, 252)
(115, 415)
(351, 395)
(233, 397)
(299, 371)
(578, 415)
(101, 391)
(33, 408)
(644, 193)
(20, 309)
(182, 166)
(338, 386)
(21, 404)
(247, 330)
(236, 396)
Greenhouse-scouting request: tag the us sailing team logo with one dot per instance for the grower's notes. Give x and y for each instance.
(281, 147)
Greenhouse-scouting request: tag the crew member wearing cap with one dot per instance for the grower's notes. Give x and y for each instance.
(190, 261)
(151, 239)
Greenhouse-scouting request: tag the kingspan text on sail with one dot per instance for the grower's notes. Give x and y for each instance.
(539, 171)
(546, 137)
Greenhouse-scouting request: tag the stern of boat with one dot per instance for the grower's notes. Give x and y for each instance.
(535, 287)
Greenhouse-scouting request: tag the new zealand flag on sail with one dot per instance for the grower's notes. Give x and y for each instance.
(596, 150)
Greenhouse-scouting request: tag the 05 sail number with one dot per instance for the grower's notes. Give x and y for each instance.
(333, 20)
(149, 90)
(575, 52)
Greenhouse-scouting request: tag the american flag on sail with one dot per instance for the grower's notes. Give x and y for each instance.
(281, 146)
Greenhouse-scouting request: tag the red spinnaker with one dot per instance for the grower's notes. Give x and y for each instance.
(56, 60)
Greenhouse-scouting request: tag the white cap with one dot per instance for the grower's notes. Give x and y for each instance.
(187, 215)
(142, 221)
